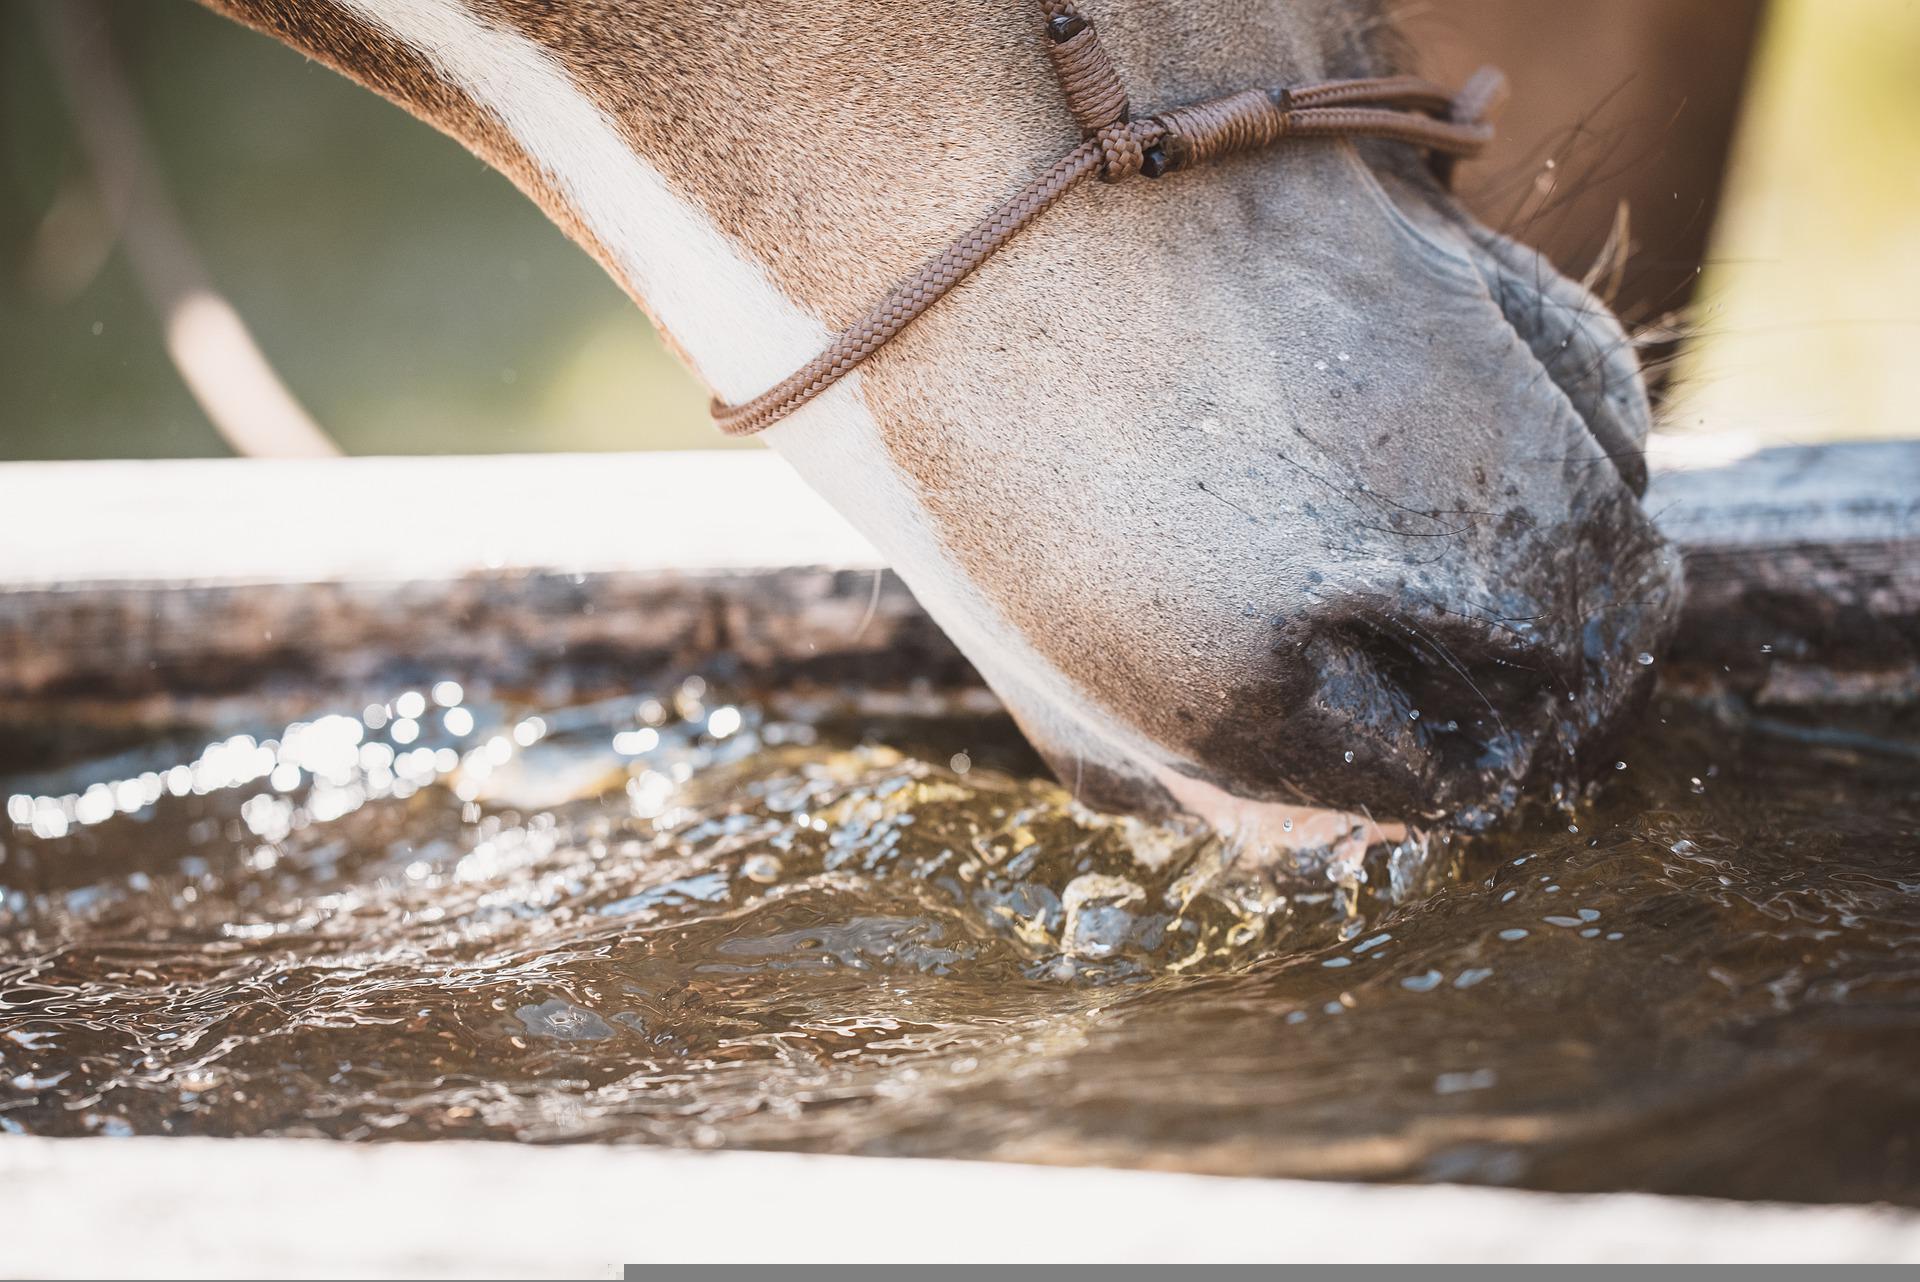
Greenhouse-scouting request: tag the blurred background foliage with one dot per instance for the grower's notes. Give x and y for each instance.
(416, 303)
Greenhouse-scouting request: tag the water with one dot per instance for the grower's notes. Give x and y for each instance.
(698, 920)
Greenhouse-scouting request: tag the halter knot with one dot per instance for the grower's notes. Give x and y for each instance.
(1095, 94)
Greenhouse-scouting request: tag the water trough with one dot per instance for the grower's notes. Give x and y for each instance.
(144, 596)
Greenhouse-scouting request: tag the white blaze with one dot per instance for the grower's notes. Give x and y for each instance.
(744, 334)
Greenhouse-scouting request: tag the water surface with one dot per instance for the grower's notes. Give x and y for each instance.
(696, 919)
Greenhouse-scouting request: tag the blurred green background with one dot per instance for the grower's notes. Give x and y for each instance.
(414, 302)
(410, 297)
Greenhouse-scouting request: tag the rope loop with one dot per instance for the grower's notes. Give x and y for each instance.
(1121, 154)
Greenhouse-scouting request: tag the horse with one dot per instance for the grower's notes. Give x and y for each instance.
(1267, 491)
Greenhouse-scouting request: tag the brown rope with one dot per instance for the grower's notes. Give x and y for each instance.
(1116, 147)
(1094, 92)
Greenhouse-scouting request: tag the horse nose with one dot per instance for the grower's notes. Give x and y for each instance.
(1406, 711)
(1415, 714)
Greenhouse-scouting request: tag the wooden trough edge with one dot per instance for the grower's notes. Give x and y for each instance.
(248, 1208)
(1803, 575)
(143, 584)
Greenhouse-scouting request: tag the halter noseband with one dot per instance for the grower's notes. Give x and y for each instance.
(1117, 147)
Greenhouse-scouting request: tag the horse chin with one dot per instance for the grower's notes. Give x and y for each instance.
(1305, 836)
(1256, 832)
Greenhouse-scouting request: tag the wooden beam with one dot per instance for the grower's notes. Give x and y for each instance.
(1803, 574)
(150, 585)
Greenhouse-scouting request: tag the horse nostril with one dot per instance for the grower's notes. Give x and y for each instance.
(1426, 711)
(1442, 701)
(1371, 703)
(1451, 698)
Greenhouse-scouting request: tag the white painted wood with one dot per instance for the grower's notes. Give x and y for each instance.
(395, 519)
(1851, 492)
(316, 1208)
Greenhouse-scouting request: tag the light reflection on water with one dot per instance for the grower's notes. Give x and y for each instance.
(681, 919)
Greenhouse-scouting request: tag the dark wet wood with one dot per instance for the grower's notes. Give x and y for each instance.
(1803, 565)
(529, 628)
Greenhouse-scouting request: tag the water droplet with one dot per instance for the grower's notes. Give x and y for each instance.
(1644, 659)
(631, 743)
(1349, 756)
(1479, 1079)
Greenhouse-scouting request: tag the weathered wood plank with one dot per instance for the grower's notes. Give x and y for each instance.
(199, 521)
(136, 596)
(1803, 574)
(191, 582)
